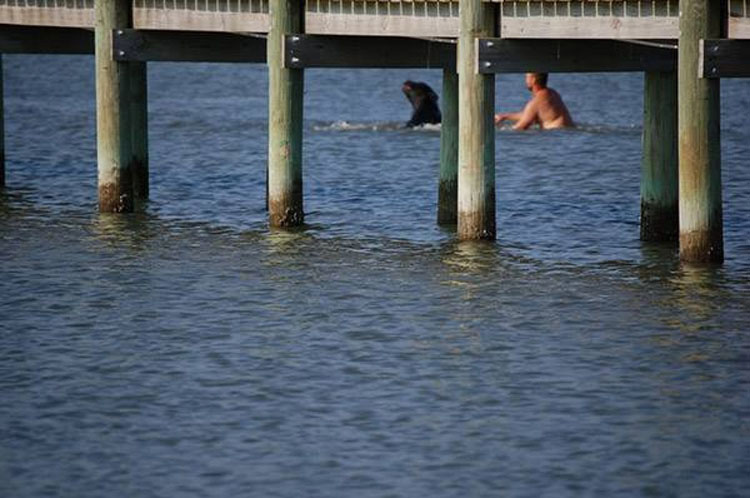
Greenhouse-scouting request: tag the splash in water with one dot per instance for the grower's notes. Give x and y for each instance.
(376, 126)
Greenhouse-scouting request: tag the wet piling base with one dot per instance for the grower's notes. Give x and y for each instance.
(702, 246)
(286, 211)
(114, 199)
(659, 223)
(479, 225)
(447, 202)
(139, 168)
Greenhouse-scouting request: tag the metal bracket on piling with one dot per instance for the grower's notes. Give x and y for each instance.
(289, 54)
(723, 58)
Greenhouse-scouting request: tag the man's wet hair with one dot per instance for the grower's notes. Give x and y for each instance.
(541, 78)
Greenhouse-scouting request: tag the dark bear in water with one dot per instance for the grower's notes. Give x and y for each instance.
(423, 100)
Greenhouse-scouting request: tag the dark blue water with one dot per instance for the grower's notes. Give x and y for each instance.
(187, 350)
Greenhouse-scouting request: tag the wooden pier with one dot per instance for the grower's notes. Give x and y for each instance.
(683, 56)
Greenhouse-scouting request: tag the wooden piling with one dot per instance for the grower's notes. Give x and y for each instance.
(700, 210)
(285, 94)
(2, 127)
(113, 124)
(448, 182)
(139, 127)
(659, 211)
(476, 135)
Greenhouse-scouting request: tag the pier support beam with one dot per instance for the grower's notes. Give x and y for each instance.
(113, 123)
(476, 135)
(285, 94)
(701, 230)
(448, 182)
(139, 127)
(659, 212)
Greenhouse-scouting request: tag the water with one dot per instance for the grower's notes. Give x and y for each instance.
(186, 350)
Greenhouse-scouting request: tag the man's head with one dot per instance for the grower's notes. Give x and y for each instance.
(536, 79)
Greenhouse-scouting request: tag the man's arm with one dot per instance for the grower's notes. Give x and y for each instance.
(507, 116)
(528, 117)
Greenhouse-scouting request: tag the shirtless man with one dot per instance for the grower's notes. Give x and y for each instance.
(545, 108)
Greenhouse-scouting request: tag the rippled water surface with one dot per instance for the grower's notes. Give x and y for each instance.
(187, 350)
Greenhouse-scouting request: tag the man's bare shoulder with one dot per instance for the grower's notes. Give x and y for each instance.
(552, 110)
(533, 104)
(546, 95)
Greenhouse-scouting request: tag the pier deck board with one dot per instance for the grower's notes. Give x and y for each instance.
(521, 19)
(620, 19)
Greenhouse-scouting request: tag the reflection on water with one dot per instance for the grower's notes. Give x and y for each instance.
(122, 232)
(698, 296)
(471, 257)
(187, 349)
